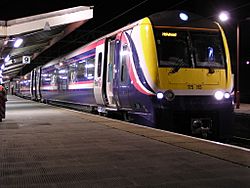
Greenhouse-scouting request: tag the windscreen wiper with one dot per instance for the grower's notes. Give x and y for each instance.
(211, 70)
(179, 63)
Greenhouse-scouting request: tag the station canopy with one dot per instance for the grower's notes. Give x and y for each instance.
(23, 40)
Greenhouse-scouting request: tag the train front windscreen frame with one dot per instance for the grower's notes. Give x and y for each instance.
(189, 48)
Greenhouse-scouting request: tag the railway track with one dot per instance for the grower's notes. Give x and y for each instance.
(240, 141)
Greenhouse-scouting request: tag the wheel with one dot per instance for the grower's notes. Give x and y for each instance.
(126, 117)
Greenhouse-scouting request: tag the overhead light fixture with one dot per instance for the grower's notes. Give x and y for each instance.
(224, 16)
(183, 16)
(2, 66)
(7, 58)
(18, 42)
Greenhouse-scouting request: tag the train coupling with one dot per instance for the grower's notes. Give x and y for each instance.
(201, 126)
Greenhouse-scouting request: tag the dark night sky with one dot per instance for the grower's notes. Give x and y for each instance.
(109, 16)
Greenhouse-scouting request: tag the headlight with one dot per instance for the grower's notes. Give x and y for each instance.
(227, 95)
(169, 95)
(159, 95)
(219, 95)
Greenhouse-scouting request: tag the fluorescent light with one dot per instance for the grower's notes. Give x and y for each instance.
(2, 66)
(7, 58)
(18, 42)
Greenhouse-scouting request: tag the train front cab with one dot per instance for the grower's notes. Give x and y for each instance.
(195, 80)
(188, 66)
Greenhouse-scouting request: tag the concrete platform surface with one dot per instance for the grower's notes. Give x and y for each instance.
(46, 146)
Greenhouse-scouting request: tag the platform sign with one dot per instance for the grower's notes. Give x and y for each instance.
(26, 59)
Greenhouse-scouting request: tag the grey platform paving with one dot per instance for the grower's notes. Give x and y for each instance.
(243, 109)
(46, 146)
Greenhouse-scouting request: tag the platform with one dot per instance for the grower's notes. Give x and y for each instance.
(243, 109)
(47, 146)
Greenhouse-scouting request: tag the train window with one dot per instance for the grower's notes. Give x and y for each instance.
(49, 77)
(53, 79)
(80, 69)
(111, 60)
(208, 50)
(124, 63)
(62, 78)
(172, 48)
(99, 68)
(72, 73)
(123, 72)
(89, 74)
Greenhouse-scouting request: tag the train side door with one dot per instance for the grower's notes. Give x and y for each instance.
(110, 72)
(63, 79)
(100, 75)
(124, 84)
(38, 83)
(33, 85)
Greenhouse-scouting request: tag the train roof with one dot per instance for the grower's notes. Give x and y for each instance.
(173, 18)
(164, 18)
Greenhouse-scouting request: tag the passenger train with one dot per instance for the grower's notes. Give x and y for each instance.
(170, 70)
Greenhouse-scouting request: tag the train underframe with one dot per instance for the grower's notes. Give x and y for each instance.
(200, 116)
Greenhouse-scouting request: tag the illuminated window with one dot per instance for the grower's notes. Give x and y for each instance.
(124, 63)
(99, 68)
